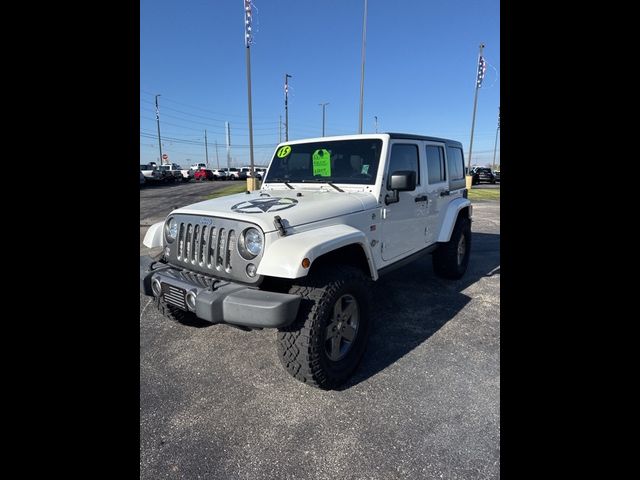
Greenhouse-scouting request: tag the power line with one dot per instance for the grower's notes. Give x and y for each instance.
(273, 129)
(201, 116)
(168, 99)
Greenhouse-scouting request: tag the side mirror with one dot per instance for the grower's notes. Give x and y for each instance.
(403, 181)
(400, 181)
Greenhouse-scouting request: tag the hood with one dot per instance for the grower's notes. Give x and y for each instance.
(261, 208)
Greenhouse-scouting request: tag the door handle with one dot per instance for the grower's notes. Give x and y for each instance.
(423, 198)
(445, 193)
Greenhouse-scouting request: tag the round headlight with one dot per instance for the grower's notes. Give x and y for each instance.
(250, 243)
(171, 230)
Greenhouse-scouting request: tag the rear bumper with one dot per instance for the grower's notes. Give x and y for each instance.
(217, 301)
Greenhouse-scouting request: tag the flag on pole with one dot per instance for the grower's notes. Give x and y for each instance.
(482, 67)
(248, 35)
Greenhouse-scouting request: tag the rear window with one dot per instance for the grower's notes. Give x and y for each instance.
(455, 162)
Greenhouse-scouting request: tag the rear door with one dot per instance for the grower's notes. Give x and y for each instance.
(436, 187)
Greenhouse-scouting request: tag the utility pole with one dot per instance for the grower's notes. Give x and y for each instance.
(279, 128)
(376, 118)
(226, 124)
(217, 158)
(286, 106)
(206, 151)
(248, 39)
(364, 45)
(323, 105)
(481, 68)
(495, 145)
(158, 120)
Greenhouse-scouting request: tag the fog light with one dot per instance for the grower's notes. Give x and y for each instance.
(251, 270)
(190, 298)
(156, 287)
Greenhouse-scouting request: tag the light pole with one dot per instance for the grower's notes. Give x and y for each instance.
(248, 38)
(286, 106)
(479, 78)
(376, 118)
(323, 105)
(206, 150)
(158, 120)
(364, 46)
(495, 145)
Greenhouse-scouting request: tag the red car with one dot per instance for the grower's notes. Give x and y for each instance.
(203, 174)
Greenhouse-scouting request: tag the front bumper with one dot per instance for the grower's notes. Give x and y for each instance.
(218, 301)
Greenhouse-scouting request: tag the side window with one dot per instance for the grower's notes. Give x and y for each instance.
(435, 164)
(405, 157)
(456, 163)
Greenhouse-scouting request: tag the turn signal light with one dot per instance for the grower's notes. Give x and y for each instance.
(306, 263)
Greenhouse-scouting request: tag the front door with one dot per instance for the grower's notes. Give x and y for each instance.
(404, 222)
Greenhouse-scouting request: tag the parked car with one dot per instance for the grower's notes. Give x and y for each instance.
(170, 174)
(151, 173)
(219, 174)
(142, 179)
(234, 173)
(203, 174)
(177, 172)
(198, 166)
(482, 174)
(496, 173)
(301, 254)
(259, 171)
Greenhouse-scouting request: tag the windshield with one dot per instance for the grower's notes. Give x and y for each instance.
(337, 161)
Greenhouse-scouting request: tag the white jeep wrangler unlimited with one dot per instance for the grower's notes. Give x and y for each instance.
(332, 215)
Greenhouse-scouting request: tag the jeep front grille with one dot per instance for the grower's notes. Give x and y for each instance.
(205, 246)
(209, 245)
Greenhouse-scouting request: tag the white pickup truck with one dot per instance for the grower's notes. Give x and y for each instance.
(178, 173)
(333, 215)
(151, 172)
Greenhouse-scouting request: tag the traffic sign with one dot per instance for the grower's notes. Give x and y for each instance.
(165, 156)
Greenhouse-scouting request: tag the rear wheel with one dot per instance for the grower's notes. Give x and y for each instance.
(451, 259)
(327, 340)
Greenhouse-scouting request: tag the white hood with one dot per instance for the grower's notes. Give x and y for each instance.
(261, 208)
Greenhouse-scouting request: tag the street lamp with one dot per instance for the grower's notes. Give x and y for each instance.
(323, 105)
(158, 121)
(364, 45)
(286, 106)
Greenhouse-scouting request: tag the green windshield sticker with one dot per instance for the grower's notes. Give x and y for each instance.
(365, 169)
(321, 163)
(284, 151)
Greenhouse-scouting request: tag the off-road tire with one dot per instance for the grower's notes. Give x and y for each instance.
(446, 262)
(301, 346)
(173, 313)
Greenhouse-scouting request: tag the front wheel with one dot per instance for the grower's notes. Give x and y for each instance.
(326, 342)
(451, 259)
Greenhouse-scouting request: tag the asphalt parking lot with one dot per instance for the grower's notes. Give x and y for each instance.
(425, 402)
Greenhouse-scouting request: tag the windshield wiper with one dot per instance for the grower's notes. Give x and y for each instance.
(280, 180)
(336, 187)
(318, 180)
